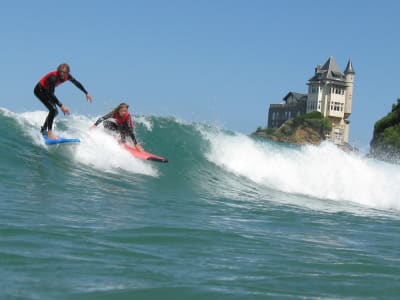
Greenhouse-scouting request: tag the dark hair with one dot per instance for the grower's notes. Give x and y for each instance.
(123, 104)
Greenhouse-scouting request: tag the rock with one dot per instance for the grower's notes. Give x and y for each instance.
(310, 128)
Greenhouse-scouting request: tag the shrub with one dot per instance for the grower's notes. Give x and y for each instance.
(385, 143)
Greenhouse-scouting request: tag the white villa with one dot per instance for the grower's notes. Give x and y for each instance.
(330, 92)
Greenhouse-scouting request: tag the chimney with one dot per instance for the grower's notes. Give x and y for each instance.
(317, 69)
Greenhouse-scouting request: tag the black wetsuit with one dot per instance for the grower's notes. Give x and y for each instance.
(46, 95)
(124, 129)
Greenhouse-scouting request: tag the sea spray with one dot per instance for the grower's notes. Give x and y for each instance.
(324, 171)
(97, 149)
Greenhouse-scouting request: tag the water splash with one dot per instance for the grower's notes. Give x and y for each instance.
(97, 148)
(322, 171)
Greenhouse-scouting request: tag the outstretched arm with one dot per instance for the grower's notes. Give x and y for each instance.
(81, 87)
(105, 117)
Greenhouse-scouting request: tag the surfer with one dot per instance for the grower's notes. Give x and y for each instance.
(44, 91)
(120, 120)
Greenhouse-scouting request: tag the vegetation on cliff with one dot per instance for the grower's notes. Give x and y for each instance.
(309, 128)
(385, 143)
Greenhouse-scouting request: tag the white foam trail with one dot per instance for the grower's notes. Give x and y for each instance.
(321, 171)
(96, 149)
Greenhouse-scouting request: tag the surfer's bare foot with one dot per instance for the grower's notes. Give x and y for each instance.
(51, 135)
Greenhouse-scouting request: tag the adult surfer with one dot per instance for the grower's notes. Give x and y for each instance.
(120, 120)
(44, 91)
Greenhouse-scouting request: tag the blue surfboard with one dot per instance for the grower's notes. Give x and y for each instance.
(60, 140)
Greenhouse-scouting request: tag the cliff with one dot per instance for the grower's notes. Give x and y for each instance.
(309, 128)
(385, 143)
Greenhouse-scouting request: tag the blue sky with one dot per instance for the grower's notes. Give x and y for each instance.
(220, 62)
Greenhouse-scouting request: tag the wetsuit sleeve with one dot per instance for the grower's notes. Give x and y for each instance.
(132, 135)
(130, 130)
(105, 117)
(52, 85)
(77, 84)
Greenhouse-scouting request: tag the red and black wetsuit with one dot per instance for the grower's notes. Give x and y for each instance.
(123, 125)
(44, 90)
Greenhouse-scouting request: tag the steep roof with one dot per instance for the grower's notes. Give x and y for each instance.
(330, 70)
(331, 65)
(349, 68)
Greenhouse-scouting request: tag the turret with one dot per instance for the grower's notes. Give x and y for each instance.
(349, 68)
(349, 79)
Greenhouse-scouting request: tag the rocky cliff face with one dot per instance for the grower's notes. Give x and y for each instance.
(385, 144)
(300, 135)
(306, 129)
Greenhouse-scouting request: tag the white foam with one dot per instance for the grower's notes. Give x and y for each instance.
(322, 171)
(145, 121)
(97, 148)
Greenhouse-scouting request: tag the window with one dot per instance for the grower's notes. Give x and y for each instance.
(337, 106)
(312, 106)
(338, 136)
(314, 89)
(336, 89)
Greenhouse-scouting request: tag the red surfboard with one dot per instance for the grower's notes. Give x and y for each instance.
(143, 154)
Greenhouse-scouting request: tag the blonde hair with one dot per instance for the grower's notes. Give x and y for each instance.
(121, 105)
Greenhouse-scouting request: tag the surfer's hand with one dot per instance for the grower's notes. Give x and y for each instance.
(88, 98)
(93, 126)
(139, 148)
(65, 110)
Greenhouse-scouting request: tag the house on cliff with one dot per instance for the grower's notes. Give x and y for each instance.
(330, 92)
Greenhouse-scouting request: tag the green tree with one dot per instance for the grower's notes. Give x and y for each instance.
(385, 143)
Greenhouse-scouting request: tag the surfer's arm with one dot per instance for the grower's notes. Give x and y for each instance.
(133, 137)
(78, 84)
(105, 117)
(138, 147)
(129, 128)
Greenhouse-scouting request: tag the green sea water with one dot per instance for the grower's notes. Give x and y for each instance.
(229, 217)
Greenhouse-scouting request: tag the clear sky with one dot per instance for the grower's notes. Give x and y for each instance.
(220, 62)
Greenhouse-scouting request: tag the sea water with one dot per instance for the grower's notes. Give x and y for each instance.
(229, 217)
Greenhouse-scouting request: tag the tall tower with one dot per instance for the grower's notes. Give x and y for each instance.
(330, 92)
(349, 80)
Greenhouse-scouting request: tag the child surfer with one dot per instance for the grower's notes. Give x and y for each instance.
(120, 120)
